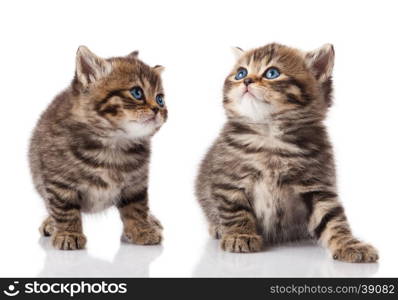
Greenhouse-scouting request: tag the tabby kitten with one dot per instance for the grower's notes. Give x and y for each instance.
(90, 149)
(270, 176)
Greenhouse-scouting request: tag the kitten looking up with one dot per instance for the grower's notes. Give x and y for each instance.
(270, 177)
(91, 148)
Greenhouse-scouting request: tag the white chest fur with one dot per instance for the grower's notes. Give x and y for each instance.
(281, 213)
(264, 205)
(98, 199)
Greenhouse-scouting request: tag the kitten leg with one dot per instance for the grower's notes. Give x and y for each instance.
(237, 220)
(329, 225)
(140, 227)
(67, 233)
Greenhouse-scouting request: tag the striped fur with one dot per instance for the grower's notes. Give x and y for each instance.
(270, 176)
(91, 148)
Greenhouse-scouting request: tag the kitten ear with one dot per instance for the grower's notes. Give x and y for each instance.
(90, 67)
(133, 54)
(238, 52)
(321, 61)
(158, 69)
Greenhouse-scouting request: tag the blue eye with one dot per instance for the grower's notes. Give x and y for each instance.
(272, 73)
(137, 93)
(242, 73)
(160, 100)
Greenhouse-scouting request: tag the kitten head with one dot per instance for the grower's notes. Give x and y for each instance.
(121, 95)
(277, 80)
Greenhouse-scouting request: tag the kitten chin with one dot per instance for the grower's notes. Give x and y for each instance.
(138, 130)
(252, 109)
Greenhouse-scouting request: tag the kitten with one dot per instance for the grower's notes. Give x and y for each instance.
(270, 176)
(91, 147)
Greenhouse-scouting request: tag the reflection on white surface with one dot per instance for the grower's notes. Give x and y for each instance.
(129, 261)
(293, 260)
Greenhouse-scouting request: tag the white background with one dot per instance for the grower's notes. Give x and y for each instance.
(192, 40)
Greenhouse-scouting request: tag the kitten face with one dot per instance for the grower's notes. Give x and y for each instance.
(123, 94)
(274, 79)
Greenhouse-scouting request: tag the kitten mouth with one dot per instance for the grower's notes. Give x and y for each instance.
(148, 120)
(246, 91)
(151, 119)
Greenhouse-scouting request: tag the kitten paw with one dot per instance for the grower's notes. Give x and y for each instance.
(143, 236)
(241, 243)
(47, 228)
(356, 253)
(68, 240)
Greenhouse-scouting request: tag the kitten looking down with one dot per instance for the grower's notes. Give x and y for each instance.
(270, 177)
(91, 148)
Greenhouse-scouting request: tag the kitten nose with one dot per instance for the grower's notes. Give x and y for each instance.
(155, 109)
(248, 81)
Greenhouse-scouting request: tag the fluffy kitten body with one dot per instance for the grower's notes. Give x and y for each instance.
(270, 176)
(91, 147)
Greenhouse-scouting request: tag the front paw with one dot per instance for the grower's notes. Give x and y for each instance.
(69, 240)
(142, 236)
(242, 243)
(356, 253)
